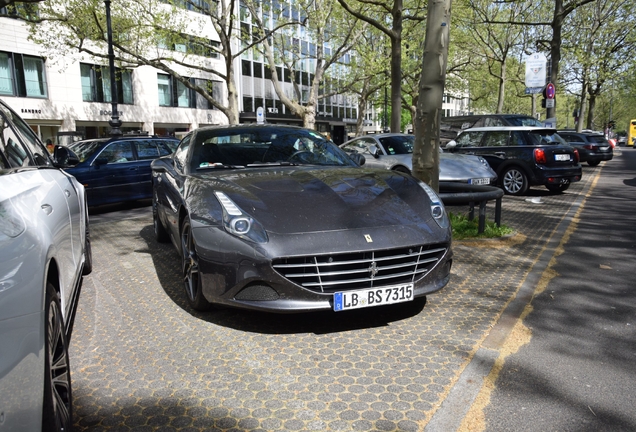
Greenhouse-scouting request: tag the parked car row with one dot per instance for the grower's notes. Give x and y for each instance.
(264, 217)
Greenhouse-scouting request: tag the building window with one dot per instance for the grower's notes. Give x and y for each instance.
(96, 84)
(25, 10)
(214, 89)
(258, 70)
(200, 6)
(248, 104)
(192, 45)
(246, 68)
(22, 75)
(174, 93)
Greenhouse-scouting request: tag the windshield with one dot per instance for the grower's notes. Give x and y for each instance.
(524, 121)
(597, 139)
(545, 138)
(249, 146)
(398, 144)
(85, 149)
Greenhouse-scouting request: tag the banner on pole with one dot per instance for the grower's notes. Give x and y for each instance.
(536, 70)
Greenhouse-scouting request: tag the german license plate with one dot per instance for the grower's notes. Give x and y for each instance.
(479, 181)
(347, 300)
(562, 157)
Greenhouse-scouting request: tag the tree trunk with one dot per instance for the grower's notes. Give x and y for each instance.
(579, 124)
(396, 71)
(232, 111)
(309, 115)
(431, 86)
(502, 88)
(590, 112)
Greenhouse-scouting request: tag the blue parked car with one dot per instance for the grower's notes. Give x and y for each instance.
(115, 170)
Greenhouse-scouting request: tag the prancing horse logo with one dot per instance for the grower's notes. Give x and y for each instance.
(373, 269)
(368, 238)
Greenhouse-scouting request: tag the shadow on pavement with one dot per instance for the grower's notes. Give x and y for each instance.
(168, 266)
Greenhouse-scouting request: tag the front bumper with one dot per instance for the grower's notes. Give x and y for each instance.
(243, 275)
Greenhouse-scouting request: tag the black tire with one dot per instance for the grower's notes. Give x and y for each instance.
(514, 181)
(161, 234)
(57, 413)
(558, 188)
(593, 163)
(402, 170)
(190, 270)
(88, 251)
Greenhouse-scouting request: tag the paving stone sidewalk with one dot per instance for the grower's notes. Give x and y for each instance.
(142, 360)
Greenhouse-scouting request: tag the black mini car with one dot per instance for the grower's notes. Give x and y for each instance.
(593, 147)
(523, 156)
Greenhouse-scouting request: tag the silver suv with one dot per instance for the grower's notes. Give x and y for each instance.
(44, 253)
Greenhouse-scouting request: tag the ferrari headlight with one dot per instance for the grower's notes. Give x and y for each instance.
(238, 223)
(437, 207)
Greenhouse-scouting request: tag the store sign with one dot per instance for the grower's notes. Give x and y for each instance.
(30, 111)
(110, 113)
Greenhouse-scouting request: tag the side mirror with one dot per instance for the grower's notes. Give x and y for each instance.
(64, 157)
(358, 158)
(100, 161)
(451, 145)
(375, 151)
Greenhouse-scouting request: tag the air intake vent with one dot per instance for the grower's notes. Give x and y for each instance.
(359, 270)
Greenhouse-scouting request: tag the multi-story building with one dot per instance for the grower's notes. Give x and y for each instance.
(70, 97)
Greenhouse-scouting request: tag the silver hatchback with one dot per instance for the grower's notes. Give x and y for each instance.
(44, 252)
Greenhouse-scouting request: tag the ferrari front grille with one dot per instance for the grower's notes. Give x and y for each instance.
(359, 270)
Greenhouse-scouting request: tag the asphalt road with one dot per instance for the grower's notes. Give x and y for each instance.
(142, 360)
(578, 371)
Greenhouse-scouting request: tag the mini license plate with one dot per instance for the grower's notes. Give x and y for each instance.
(372, 297)
(479, 181)
(562, 157)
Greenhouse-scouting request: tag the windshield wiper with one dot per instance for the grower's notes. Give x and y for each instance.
(265, 164)
(218, 165)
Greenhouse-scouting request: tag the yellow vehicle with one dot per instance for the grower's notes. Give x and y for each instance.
(631, 133)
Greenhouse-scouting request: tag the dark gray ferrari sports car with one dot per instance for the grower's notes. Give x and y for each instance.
(278, 218)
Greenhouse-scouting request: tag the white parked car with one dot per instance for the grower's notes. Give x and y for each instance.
(44, 252)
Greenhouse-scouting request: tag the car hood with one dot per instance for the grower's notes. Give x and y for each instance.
(458, 167)
(290, 200)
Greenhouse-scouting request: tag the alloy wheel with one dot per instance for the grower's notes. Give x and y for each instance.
(190, 265)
